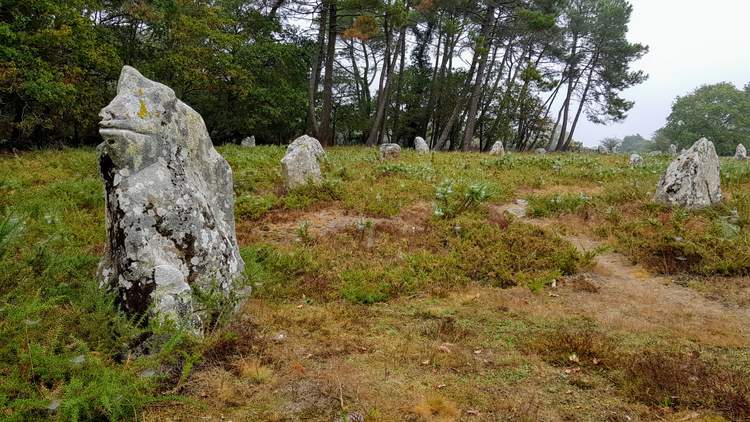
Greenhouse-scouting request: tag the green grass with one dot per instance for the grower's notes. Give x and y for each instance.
(65, 346)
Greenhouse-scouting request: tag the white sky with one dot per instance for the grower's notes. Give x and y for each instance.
(692, 42)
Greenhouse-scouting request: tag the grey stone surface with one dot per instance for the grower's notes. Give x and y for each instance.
(672, 149)
(300, 165)
(248, 142)
(635, 161)
(601, 149)
(740, 153)
(420, 145)
(390, 151)
(169, 204)
(311, 143)
(540, 151)
(497, 149)
(692, 180)
(654, 153)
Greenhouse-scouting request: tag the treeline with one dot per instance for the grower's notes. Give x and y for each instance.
(718, 112)
(461, 73)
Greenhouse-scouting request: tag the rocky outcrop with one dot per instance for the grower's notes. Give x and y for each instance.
(673, 149)
(420, 145)
(248, 142)
(497, 149)
(740, 153)
(692, 180)
(390, 151)
(635, 161)
(169, 205)
(540, 151)
(601, 149)
(300, 164)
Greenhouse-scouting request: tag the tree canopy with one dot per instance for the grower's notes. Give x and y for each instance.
(719, 112)
(462, 74)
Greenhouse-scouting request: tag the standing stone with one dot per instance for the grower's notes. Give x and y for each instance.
(390, 151)
(420, 145)
(740, 153)
(300, 166)
(169, 205)
(540, 151)
(635, 161)
(497, 149)
(248, 142)
(601, 149)
(311, 143)
(672, 149)
(616, 149)
(692, 180)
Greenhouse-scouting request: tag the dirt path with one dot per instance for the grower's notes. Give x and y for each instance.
(622, 295)
(629, 297)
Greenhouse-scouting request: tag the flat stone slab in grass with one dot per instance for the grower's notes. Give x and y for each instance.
(169, 205)
(692, 180)
(390, 151)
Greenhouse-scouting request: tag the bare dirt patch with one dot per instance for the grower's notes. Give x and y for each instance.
(285, 227)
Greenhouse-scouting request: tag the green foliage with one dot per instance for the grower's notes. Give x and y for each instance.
(718, 112)
(453, 199)
(553, 205)
(61, 60)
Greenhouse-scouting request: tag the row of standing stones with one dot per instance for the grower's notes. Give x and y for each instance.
(170, 201)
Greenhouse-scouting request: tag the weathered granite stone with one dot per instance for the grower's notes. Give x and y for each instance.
(497, 149)
(601, 149)
(169, 205)
(420, 145)
(740, 153)
(635, 161)
(692, 180)
(540, 151)
(672, 149)
(390, 151)
(300, 165)
(311, 143)
(248, 142)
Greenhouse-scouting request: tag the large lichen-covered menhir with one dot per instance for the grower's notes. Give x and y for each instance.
(169, 205)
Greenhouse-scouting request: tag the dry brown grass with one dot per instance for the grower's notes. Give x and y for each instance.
(436, 408)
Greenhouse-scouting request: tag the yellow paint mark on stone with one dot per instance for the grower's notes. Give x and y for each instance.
(143, 112)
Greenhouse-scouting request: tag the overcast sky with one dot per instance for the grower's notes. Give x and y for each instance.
(692, 42)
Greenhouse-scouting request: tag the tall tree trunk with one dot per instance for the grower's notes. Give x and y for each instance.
(376, 132)
(569, 94)
(486, 45)
(312, 120)
(460, 103)
(326, 131)
(397, 106)
(583, 100)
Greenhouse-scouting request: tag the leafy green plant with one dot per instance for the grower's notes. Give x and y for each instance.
(453, 199)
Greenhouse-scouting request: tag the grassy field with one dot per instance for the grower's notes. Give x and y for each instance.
(400, 290)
